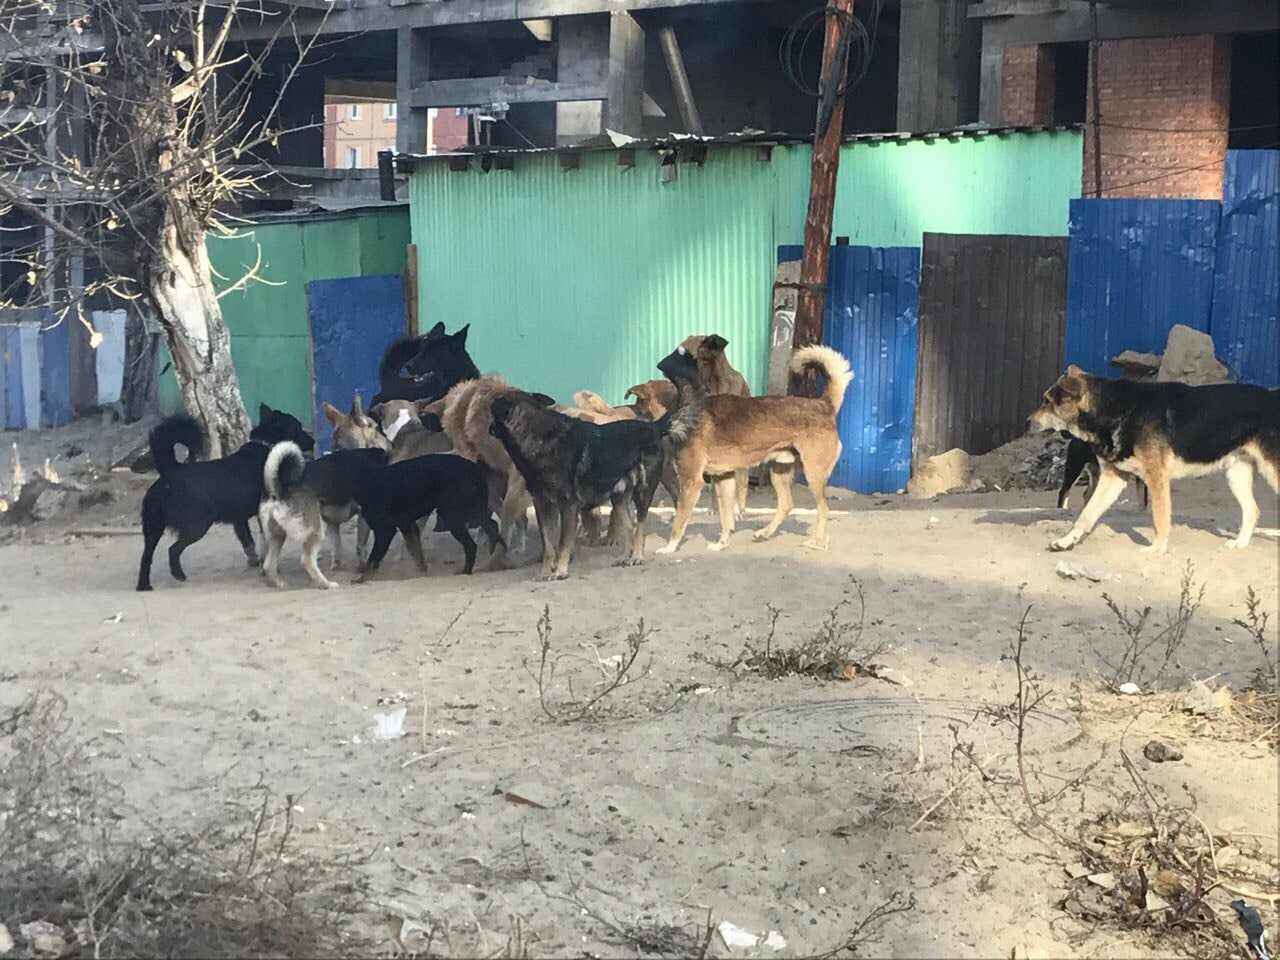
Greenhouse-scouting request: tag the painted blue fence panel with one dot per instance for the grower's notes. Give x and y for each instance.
(1246, 281)
(1134, 269)
(352, 321)
(871, 318)
(55, 373)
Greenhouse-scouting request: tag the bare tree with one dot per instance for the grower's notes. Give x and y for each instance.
(127, 131)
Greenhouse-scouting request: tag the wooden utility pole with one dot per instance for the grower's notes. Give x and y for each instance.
(822, 183)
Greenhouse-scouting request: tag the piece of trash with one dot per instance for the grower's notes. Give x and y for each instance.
(1199, 700)
(1076, 870)
(734, 936)
(116, 619)
(1073, 571)
(1226, 857)
(933, 519)
(1254, 931)
(6, 940)
(1157, 751)
(1222, 699)
(43, 937)
(774, 940)
(889, 675)
(529, 795)
(1129, 689)
(1155, 903)
(389, 726)
(1104, 880)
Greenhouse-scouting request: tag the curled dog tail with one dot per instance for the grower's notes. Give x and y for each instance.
(678, 422)
(833, 366)
(283, 470)
(170, 432)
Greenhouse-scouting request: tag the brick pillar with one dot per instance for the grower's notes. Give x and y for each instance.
(1026, 92)
(1164, 117)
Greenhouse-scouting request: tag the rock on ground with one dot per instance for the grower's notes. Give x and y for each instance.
(938, 474)
(1189, 358)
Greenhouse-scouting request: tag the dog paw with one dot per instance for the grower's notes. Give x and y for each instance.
(627, 562)
(1061, 545)
(760, 536)
(1238, 543)
(253, 561)
(331, 585)
(669, 548)
(813, 543)
(1155, 549)
(718, 545)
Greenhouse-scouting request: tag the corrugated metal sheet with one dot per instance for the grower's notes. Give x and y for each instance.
(584, 278)
(1246, 280)
(352, 321)
(1136, 268)
(872, 296)
(270, 337)
(990, 342)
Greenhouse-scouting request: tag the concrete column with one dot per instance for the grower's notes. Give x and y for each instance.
(413, 66)
(582, 56)
(937, 65)
(624, 110)
(991, 77)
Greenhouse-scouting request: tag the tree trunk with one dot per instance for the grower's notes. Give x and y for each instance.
(180, 284)
(138, 392)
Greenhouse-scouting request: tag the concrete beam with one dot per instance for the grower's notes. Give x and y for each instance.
(1119, 23)
(938, 76)
(385, 16)
(482, 90)
(355, 91)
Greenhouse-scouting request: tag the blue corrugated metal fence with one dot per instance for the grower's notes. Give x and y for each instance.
(1246, 278)
(871, 318)
(1134, 269)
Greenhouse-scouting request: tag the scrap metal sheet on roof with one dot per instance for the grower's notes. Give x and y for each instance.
(1246, 278)
(1135, 269)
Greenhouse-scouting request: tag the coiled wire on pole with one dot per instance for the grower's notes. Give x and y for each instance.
(848, 67)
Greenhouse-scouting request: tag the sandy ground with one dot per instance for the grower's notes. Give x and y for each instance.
(777, 805)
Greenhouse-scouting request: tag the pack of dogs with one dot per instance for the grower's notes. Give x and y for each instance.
(476, 453)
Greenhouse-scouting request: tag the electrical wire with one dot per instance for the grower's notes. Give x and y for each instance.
(854, 46)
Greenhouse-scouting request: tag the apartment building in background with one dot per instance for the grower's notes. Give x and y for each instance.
(355, 130)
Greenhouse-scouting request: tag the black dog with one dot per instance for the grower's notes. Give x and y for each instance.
(190, 497)
(434, 362)
(302, 497)
(572, 465)
(1080, 457)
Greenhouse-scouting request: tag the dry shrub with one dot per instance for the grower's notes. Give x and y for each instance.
(835, 651)
(71, 857)
(1150, 652)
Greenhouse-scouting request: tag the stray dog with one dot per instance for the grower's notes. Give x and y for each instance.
(409, 437)
(304, 500)
(1160, 432)
(434, 362)
(354, 430)
(591, 406)
(190, 497)
(390, 497)
(570, 465)
(653, 397)
(1081, 459)
(734, 433)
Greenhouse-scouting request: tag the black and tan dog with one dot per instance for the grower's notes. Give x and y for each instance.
(569, 465)
(735, 433)
(1160, 432)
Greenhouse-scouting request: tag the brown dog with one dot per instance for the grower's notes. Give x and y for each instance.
(401, 424)
(734, 433)
(354, 430)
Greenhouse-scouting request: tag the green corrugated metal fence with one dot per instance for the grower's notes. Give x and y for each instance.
(268, 321)
(584, 278)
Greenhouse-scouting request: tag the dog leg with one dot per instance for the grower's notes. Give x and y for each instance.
(411, 533)
(548, 515)
(1111, 484)
(185, 539)
(362, 543)
(152, 530)
(1161, 511)
(310, 556)
(273, 537)
(781, 476)
(568, 534)
(382, 538)
(725, 491)
(742, 483)
(690, 490)
(241, 528)
(463, 536)
(1240, 479)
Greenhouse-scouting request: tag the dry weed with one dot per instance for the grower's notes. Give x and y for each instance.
(75, 862)
(1149, 653)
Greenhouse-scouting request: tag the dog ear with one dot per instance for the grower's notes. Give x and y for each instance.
(356, 413)
(436, 331)
(460, 338)
(715, 342)
(331, 413)
(264, 412)
(1074, 371)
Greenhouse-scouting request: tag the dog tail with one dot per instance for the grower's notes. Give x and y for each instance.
(833, 366)
(586, 400)
(283, 470)
(170, 432)
(396, 356)
(678, 422)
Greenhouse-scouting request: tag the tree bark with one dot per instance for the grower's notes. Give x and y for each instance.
(179, 282)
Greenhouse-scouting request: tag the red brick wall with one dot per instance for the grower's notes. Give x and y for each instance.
(1026, 92)
(1164, 117)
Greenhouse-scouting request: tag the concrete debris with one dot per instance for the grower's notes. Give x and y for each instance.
(940, 474)
(1074, 571)
(1189, 358)
(1033, 462)
(1137, 366)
